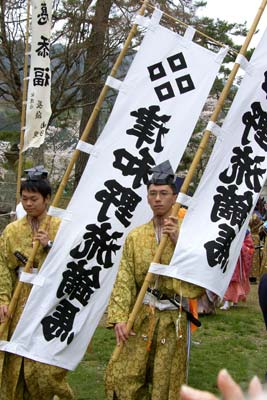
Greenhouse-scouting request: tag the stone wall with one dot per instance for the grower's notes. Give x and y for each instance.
(8, 187)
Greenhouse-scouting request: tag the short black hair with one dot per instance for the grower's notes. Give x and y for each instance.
(41, 186)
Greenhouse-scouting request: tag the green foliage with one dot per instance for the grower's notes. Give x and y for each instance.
(234, 339)
(10, 136)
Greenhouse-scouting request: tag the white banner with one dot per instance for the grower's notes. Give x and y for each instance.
(38, 110)
(215, 225)
(156, 110)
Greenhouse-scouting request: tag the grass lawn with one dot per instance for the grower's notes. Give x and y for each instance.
(234, 339)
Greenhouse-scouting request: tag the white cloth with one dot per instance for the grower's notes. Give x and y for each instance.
(38, 109)
(214, 227)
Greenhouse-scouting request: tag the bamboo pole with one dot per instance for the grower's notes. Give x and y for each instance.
(202, 146)
(85, 134)
(200, 33)
(23, 108)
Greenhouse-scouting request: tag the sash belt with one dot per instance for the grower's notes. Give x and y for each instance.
(175, 300)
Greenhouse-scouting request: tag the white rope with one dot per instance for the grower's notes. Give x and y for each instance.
(11, 213)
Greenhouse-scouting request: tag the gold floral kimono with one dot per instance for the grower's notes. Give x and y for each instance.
(23, 378)
(140, 374)
(255, 224)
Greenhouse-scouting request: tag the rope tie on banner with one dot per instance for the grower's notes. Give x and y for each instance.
(184, 199)
(142, 21)
(59, 213)
(149, 23)
(214, 128)
(189, 33)
(244, 64)
(32, 277)
(114, 83)
(85, 147)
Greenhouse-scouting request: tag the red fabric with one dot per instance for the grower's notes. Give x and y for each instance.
(239, 286)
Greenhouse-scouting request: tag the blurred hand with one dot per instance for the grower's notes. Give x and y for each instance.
(229, 389)
(171, 228)
(122, 333)
(3, 313)
(42, 236)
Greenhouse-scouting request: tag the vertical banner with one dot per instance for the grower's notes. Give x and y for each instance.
(214, 228)
(38, 109)
(156, 110)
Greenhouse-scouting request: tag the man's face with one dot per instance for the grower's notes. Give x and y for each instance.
(161, 199)
(34, 203)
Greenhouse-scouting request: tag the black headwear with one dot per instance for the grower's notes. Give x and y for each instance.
(36, 173)
(162, 174)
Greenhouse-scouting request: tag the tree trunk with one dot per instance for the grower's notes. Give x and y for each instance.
(92, 76)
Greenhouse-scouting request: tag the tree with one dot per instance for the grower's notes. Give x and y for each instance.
(87, 37)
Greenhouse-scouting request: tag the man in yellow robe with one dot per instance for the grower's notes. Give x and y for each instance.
(153, 361)
(23, 378)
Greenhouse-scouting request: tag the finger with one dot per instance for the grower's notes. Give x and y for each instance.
(228, 387)
(3, 314)
(173, 218)
(188, 393)
(118, 341)
(120, 336)
(123, 333)
(255, 388)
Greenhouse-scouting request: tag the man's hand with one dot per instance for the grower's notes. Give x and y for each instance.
(3, 313)
(171, 228)
(122, 333)
(42, 236)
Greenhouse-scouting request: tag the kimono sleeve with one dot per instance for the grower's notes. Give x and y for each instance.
(186, 289)
(6, 274)
(124, 291)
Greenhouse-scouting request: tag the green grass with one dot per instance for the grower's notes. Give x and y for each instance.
(234, 339)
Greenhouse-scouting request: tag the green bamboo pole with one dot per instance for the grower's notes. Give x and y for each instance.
(85, 134)
(202, 146)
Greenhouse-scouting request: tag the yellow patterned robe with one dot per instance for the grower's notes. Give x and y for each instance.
(255, 224)
(139, 374)
(23, 378)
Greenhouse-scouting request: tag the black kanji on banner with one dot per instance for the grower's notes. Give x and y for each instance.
(264, 85)
(232, 202)
(230, 205)
(184, 82)
(60, 323)
(43, 49)
(149, 127)
(218, 250)
(255, 120)
(41, 76)
(43, 16)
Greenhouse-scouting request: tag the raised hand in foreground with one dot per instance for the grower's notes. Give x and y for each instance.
(229, 390)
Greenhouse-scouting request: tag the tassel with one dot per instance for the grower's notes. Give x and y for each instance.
(151, 326)
(178, 325)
